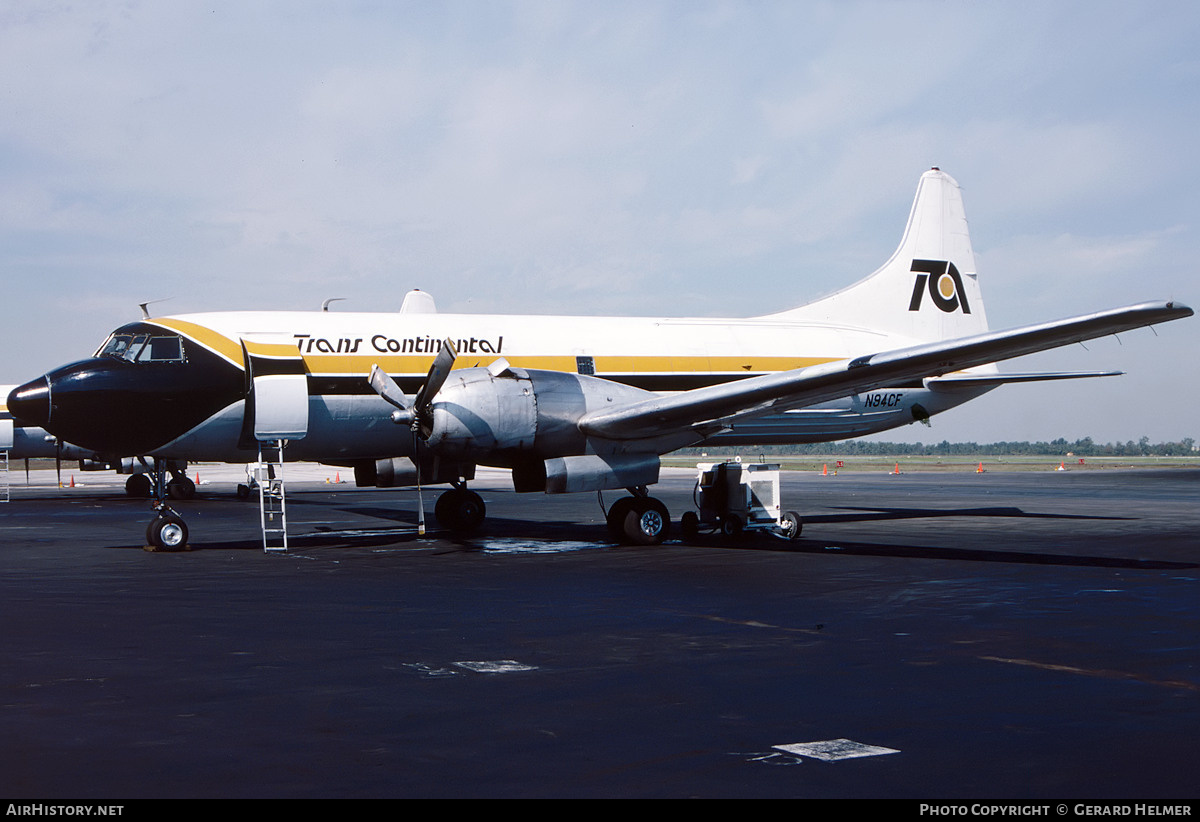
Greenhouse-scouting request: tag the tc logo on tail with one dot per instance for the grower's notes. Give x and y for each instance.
(944, 285)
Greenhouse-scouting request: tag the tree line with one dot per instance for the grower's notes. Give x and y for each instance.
(1085, 447)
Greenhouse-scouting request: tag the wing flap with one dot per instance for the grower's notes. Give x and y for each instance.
(980, 380)
(704, 410)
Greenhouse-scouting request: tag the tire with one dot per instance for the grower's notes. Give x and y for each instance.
(689, 523)
(647, 522)
(731, 526)
(138, 486)
(167, 532)
(441, 509)
(792, 525)
(460, 510)
(616, 518)
(181, 488)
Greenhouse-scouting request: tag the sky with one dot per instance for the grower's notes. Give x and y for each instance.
(647, 158)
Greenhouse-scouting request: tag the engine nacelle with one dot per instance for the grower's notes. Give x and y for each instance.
(401, 472)
(517, 414)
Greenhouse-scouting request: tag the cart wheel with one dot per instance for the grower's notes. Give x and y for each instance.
(731, 526)
(791, 525)
(689, 523)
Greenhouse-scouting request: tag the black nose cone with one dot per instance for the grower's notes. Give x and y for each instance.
(30, 403)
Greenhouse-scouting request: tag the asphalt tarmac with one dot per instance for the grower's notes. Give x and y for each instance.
(931, 636)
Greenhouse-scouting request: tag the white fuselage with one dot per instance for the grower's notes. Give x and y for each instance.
(346, 421)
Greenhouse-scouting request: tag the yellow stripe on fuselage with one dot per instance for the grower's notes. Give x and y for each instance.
(212, 340)
(353, 365)
(271, 350)
(349, 365)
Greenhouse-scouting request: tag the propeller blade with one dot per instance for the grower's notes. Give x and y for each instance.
(386, 387)
(58, 461)
(420, 500)
(438, 372)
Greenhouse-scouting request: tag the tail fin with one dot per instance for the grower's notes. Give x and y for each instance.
(928, 290)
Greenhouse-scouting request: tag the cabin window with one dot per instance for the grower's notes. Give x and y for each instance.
(585, 365)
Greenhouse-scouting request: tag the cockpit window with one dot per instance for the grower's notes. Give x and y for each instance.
(116, 346)
(162, 349)
(144, 347)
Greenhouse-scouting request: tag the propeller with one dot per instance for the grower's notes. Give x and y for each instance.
(416, 412)
(419, 412)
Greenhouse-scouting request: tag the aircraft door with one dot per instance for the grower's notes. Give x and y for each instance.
(277, 400)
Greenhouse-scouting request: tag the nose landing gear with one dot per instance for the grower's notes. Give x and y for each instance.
(167, 531)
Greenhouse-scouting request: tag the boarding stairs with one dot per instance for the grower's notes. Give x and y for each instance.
(6, 444)
(272, 503)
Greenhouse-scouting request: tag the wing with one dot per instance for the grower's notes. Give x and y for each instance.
(708, 410)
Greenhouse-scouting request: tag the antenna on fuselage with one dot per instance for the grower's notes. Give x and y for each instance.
(145, 313)
(325, 305)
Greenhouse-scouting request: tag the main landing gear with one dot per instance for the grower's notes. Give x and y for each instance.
(141, 485)
(460, 510)
(639, 519)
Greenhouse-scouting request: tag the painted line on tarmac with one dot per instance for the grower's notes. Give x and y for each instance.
(1096, 672)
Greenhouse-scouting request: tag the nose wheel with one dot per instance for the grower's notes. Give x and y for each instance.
(167, 531)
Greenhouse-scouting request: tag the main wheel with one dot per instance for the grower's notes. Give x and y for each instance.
(167, 532)
(647, 522)
(616, 518)
(181, 488)
(139, 486)
(460, 510)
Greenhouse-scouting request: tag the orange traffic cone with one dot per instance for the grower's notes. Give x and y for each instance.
(979, 470)
(825, 470)
(896, 470)
(72, 480)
